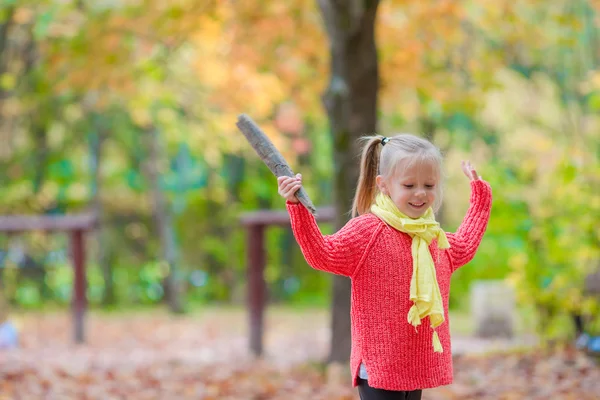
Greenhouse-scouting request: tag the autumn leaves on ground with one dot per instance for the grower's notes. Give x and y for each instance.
(204, 356)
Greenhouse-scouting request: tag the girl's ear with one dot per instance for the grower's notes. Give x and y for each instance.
(381, 184)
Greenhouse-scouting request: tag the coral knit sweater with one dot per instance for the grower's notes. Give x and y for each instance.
(378, 260)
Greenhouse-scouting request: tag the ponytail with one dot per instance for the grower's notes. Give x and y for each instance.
(369, 169)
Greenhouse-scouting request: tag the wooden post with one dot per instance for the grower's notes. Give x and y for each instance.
(256, 224)
(79, 301)
(257, 287)
(76, 226)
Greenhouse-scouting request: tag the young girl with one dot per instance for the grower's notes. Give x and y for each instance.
(400, 262)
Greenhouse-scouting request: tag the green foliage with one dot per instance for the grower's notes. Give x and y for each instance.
(543, 235)
(87, 83)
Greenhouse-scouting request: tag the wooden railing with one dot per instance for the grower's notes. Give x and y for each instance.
(76, 226)
(256, 224)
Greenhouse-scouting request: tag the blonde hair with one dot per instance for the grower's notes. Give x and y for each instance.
(386, 160)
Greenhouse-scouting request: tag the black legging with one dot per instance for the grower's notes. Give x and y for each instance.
(366, 392)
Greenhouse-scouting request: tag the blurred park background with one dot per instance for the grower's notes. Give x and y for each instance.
(127, 110)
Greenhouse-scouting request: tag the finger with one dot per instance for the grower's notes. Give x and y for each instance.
(472, 173)
(289, 194)
(288, 186)
(282, 181)
(290, 183)
(465, 171)
(469, 171)
(296, 189)
(283, 178)
(281, 190)
(286, 181)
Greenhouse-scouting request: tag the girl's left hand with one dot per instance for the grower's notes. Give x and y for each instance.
(469, 171)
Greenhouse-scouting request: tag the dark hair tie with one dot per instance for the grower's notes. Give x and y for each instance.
(384, 141)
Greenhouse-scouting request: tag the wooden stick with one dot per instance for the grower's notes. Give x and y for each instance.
(270, 155)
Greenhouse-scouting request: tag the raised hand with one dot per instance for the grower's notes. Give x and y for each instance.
(288, 186)
(469, 171)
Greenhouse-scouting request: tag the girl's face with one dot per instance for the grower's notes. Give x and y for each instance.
(412, 188)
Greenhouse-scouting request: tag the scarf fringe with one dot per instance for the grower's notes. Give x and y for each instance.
(437, 345)
(413, 316)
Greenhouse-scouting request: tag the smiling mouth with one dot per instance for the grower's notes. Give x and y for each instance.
(417, 205)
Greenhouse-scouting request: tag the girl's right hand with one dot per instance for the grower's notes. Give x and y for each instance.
(288, 186)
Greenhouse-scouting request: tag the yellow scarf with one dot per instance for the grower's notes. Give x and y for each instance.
(424, 289)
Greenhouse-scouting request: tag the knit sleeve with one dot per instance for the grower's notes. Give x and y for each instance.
(339, 253)
(466, 240)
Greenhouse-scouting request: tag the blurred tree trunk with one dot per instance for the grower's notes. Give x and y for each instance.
(104, 246)
(429, 129)
(5, 26)
(164, 223)
(40, 116)
(351, 105)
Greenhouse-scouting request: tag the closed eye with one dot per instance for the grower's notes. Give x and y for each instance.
(409, 186)
(429, 186)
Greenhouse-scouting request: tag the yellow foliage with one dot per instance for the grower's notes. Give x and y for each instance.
(213, 156)
(554, 163)
(56, 135)
(141, 116)
(115, 158)
(48, 194)
(252, 58)
(166, 116)
(23, 15)
(7, 81)
(590, 306)
(415, 37)
(78, 192)
(19, 193)
(518, 261)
